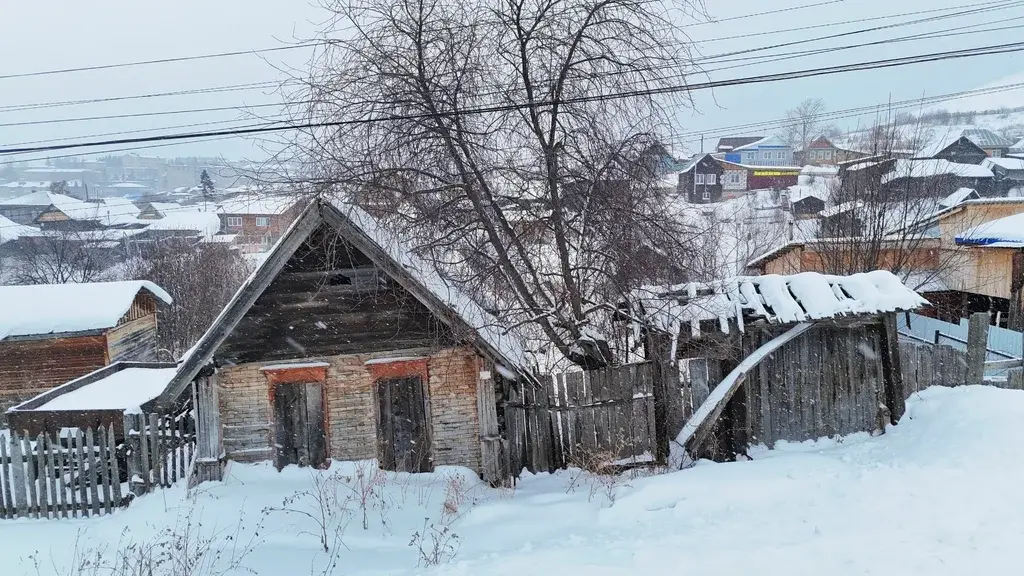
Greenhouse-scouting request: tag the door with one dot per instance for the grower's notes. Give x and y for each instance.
(402, 431)
(299, 414)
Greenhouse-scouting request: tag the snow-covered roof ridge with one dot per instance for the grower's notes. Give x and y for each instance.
(11, 230)
(927, 167)
(66, 308)
(773, 141)
(778, 299)
(1006, 232)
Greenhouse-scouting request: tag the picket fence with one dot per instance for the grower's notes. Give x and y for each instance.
(91, 472)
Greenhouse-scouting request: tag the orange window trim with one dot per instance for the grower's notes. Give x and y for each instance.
(399, 369)
(301, 375)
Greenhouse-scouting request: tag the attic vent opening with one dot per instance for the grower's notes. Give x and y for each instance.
(339, 280)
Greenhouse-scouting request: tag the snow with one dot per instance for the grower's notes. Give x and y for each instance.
(63, 308)
(126, 389)
(206, 223)
(778, 299)
(937, 494)
(772, 141)
(10, 230)
(1007, 232)
(1006, 163)
(927, 167)
(293, 365)
(958, 197)
(389, 360)
(841, 208)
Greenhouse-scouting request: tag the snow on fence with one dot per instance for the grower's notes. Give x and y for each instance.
(90, 472)
(593, 419)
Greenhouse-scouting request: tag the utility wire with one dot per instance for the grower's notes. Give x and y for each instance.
(828, 70)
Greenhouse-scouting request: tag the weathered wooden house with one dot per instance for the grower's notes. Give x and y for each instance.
(53, 333)
(701, 179)
(795, 357)
(344, 345)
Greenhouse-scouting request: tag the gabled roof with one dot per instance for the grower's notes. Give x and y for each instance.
(1018, 147)
(257, 204)
(67, 308)
(692, 162)
(958, 197)
(10, 230)
(979, 137)
(773, 141)
(775, 298)
(731, 143)
(1004, 163)
(443, 298)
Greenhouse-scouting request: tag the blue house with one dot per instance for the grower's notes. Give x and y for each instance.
(768, 151)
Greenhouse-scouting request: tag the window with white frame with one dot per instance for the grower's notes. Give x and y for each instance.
(266, 240)
(234, 221)
(734, 177)
(706, 195)
(263, 221)
(700, 178)
(750, 156)
(997, 153)
(711, 179)
(780, 155)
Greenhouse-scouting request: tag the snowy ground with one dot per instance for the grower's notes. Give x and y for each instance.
(939, 494)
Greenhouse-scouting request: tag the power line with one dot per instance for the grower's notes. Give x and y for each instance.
(147, 114)
(210, 90)
(828, 70)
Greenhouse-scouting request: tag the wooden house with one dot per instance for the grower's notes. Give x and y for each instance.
(257, 220)
(344, 345)
(798, 357)
(701, 179)
(53, 333)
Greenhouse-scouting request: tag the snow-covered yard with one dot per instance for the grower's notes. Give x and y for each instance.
(938, 494)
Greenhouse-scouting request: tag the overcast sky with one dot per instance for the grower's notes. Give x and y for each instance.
(55, 34)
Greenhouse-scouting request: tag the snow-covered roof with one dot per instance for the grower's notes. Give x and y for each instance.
(257, 204)
(773, 141)
(1007, 232)
(127, 389)
(958, 197)
(1005, 163)
(63, 308)
(775, 298)
(841, 208)
(809, 170)
(117, 212)
(206, 223)
(11, 230)
(945, 136)
(927, 167)
(1018, 147)
(128, 186)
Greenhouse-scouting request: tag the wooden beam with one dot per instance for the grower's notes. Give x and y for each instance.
(699, 426)
(977, 347)
(892, 370)
(240, 304)
(1015, 320)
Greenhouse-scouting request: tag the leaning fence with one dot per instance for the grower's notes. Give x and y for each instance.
(78, 473)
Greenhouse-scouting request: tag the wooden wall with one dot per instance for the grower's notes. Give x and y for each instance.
(133, 340)
(331, 299)
(30, 367)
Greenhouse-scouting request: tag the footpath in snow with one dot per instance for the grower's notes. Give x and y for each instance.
(938, 495)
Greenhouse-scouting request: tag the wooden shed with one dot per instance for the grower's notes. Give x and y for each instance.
(53, 333)
(344, 345)
(794, 357)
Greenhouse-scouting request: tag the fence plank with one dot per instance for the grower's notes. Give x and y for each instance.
(30, 477)
(101, 465)
(18, 476)
(42, 478)
(51, 477)
(57, 452)
(153, 437)
(115, 468)
(82, 479)
(92, 462)
(70, 464)
(565, 417)
(5, 481)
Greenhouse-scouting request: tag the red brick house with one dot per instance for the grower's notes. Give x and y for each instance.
(257, 220)
(53, 333)
(344, 345)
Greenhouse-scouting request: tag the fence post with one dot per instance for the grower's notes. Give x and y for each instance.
(977, 347)
(133, 440)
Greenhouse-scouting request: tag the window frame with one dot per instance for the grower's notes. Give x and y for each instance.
(234, 221)
(699, 178)
(263, 221)
(711, 179)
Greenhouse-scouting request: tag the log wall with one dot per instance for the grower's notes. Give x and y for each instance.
(31, 367)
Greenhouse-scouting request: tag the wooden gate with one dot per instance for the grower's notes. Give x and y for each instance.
(592, 419)
(402, 430)
(299, 415)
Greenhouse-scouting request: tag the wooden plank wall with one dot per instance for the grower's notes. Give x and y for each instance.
(925, 365)
(90, 472)
(584, 419)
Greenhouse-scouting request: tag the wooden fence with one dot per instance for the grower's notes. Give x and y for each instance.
(84, 473)
(578, 418)
(925, 365)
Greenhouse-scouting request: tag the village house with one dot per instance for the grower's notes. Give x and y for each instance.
(8, 190)
(768, 151)
(344, 345)
(823, 151)
(257, 220)
(701, 180)
(1006, 169)
(29, 209)
(728, 144)
(52, 333)
(157, 210)
(970, 145)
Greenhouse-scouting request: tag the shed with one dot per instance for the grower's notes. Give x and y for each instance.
(815, 355)
(96, 400)
(53, 333)
(343, 344)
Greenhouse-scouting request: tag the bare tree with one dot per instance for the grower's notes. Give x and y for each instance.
(515, 141)
(200, 277)
(58, 257)
(805, 123)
